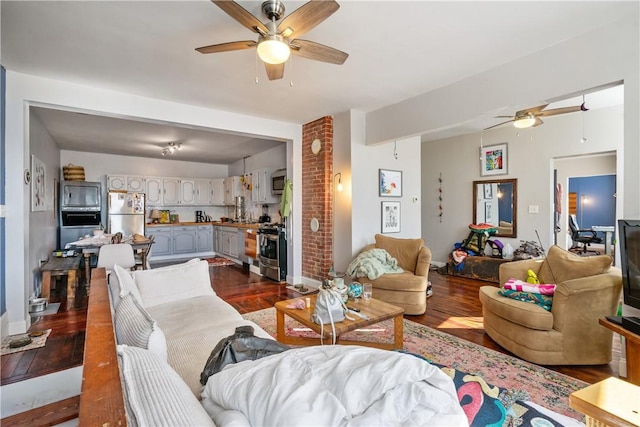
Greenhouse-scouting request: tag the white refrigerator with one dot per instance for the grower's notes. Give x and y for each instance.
(126, 213)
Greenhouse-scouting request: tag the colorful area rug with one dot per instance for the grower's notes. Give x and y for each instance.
(218, 261)
(36, 342)
(500, 377)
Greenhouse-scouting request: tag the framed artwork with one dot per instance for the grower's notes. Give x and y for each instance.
(488, 191)
(38, 189)
(494, 160)
(488, 212)
(390, 183)
(390, 217)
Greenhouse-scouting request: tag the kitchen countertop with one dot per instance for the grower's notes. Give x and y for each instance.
(215, 223)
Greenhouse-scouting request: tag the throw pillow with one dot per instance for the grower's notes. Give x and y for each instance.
(155, 395)
(180, 282)
(538, 299)
(404, 250)
(127, 284)
(561, 265)
(135, 327)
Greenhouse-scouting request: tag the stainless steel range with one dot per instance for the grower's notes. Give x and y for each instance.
(272, 245)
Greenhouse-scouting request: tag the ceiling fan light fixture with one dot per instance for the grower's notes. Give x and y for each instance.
(525, 121)
(272, 49)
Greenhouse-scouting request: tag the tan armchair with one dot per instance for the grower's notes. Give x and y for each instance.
(587, 288)
(408, 289)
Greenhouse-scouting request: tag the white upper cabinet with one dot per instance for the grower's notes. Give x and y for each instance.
(203, 192)
(187, 192)
(171, 191)
(154, 190)
(117, 182)
(261, 186)
(233, 188)
(135, 184)
(217, 186)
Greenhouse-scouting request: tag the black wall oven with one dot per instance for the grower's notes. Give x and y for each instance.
(272, 245)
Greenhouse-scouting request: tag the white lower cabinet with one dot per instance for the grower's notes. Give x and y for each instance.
(184, 239)
(162, 242)
(181, 240)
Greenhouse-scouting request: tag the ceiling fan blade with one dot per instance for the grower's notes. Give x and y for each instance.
(504, 117)
(499, 124)
(241, 15)
(534, 110)
(307, 16)
(537, 123)
(274, 71)
(227, 47)
(318, 52)
(557, 111)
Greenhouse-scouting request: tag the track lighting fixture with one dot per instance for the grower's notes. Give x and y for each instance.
(171, 148)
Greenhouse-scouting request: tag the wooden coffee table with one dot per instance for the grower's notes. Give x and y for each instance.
(376, 310)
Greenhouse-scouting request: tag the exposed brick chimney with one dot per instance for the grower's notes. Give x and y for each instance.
(317, 200)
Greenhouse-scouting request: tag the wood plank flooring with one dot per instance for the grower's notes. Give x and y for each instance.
(454, 308)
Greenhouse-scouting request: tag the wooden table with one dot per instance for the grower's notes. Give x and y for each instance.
(88, 250)
(632, 342)
(69, 267)
(376, 310)
(611, 402)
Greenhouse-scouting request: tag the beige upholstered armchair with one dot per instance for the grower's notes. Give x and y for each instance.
(587, 288)
(408, 289)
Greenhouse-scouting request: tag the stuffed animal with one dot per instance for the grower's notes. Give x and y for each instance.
(532, 278)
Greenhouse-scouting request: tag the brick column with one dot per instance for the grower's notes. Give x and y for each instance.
(317, 198)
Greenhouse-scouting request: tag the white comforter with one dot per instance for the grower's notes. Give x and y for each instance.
(333, 386)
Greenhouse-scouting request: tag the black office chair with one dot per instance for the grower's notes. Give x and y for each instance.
(586, 237)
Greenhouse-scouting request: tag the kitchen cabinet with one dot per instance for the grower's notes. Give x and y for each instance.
(204, 238)
(117, 182)
(187, 191)
(233, 188)
(261, 186)
(229, 241)
(154, 188)
(135, 184)
(218, 191)
(184, 239)
(170, 191)
(203, 192)
(162, 242)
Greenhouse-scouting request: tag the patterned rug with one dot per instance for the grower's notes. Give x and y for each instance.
(515, 378)
(218, 261)
(36, 342)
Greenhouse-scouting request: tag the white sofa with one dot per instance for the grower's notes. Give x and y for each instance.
(168, 320)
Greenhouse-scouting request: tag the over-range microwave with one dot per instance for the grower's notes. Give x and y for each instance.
(278, 178)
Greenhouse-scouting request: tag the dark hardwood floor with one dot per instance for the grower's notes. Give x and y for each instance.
(454, 308)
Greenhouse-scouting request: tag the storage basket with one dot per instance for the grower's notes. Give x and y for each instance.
(73, 173)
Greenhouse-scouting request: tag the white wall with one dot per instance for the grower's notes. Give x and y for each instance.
(342, 229)
(25, 90)
(43, 224)
(603, 56)
(531, 153)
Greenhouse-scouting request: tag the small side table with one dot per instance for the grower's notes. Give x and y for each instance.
(69, 267)
(632, 349)
(611, 402)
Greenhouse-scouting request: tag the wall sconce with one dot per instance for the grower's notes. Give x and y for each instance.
(171, 148)
(339, 186)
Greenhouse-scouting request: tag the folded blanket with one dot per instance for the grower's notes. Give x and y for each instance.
(519, 285)
(373, 264)
(543, 301)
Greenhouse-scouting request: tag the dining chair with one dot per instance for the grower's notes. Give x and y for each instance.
(142, 256)
(116, 253)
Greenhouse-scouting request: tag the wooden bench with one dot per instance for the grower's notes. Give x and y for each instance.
(69, 267)
(477, 267)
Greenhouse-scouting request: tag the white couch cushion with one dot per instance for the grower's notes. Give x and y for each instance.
(127, 284)
(135, 327)
(173, 283)
(155, 395)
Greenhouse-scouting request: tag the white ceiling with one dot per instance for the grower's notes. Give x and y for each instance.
(398, 49)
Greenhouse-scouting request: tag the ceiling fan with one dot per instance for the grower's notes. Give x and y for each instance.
(276, 41)
(531, 116)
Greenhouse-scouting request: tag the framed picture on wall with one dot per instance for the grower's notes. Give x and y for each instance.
(390, 183)
(38, 189)
(488, 212)
(390, 217)
(488, 191)
(494, 160)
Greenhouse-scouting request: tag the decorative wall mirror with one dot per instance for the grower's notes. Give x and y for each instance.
(495, 202)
